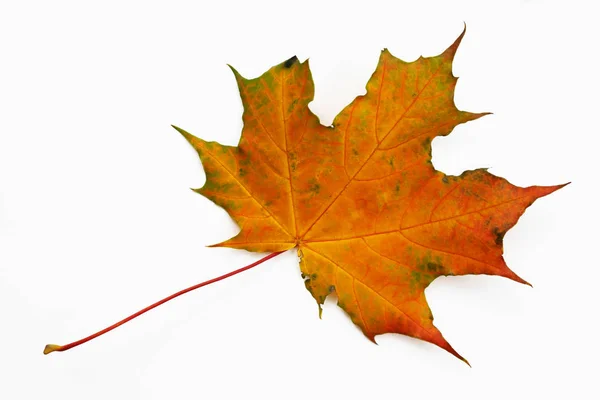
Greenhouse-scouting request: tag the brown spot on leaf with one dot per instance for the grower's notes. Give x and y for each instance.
(499, 235)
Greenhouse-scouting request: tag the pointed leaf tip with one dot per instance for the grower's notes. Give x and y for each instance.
(546, 190)
(451, 51)
(291, 61)
(236, 74)
(185, 133)
(563, 185)
(474, 116)
(193, 140)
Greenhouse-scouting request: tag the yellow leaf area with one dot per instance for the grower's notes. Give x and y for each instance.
(372, 219)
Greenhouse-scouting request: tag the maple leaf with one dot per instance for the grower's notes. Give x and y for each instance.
(372, 219)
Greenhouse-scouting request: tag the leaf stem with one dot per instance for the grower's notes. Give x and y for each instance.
(54, 347)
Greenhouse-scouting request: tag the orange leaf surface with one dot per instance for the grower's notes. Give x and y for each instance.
(372, 220)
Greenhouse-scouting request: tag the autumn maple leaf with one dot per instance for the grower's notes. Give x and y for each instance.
(372, 220)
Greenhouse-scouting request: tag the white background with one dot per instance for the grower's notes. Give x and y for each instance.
(97, 219)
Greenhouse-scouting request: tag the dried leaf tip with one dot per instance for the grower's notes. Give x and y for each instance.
(291, 61)
(51, 347)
